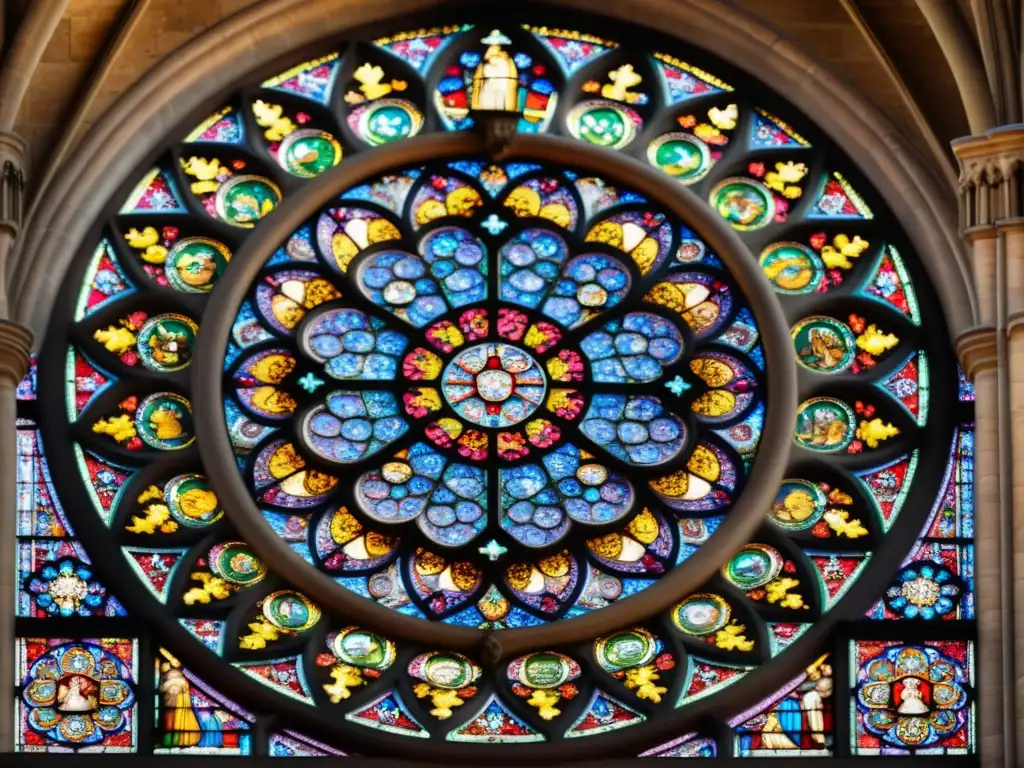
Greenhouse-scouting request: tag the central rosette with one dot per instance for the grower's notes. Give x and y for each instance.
(494, 385)
(493, 395)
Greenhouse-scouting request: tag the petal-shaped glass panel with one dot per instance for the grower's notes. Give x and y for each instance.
(590, 284)
(634, 428)
(353, 345)
(401, 283)
(353, 425)
(636, 348)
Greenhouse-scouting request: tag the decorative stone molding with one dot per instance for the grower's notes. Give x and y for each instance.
(979, 232)
(1014, 322)
(977, 350)
(15, 348)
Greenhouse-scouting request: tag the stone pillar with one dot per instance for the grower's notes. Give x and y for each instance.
(15, 344)
(992, 354)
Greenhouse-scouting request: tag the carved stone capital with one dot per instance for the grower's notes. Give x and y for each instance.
(977, 350)
(15, 348)
(12, 181)
(988, 163)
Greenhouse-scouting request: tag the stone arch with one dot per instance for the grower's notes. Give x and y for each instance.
(66, 207)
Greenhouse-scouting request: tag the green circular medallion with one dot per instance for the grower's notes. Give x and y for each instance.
(824, 424)
(546, 670)
(680, 155)
(632, 648)
(744, 203)
(234, 562)
(792, 268)
(604, 123)
(798, 505)
(307, 153)
(389, 120)
(753, 566)
(290, 611)
(824, 344)
(245, 200)
(195, 264)
(166, 342)
(444, 669)
(701, 614)
(191, 501)
(164, 421)
(363, 649)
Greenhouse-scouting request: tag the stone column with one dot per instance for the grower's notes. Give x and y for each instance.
(992, 354)
(1012, 237)
(15, 344)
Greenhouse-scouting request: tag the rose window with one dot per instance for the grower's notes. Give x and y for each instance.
(606, 433)
(526, 374)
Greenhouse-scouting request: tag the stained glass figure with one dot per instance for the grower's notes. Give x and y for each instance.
(193, 718)
(796, 721)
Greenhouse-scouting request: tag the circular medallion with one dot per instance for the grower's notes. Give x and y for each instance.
(444, 669)
(76, 728)
(798, 505)
(825, 424)
(824, 344)
(543, 670)
(164, 421)
(701, 614)
(632, 648)
(494, 385)
(753, 566)
(691, 250)
(194, 264)
(744, 203)
(290, 611)
(308, 152)
(923, 589)
(108, 717)
(389, 120)
(363, 649)
(191, 501)
(45, 718)
(77, 660)
(39, 693)
(680, 155)
(604, 123)
(234, 562)
(792, 268)
(245, 200)
(380, 585)
(167, 342)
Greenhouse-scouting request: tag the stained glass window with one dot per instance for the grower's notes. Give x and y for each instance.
(77, 695)
(913, 698)
(424, 469)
